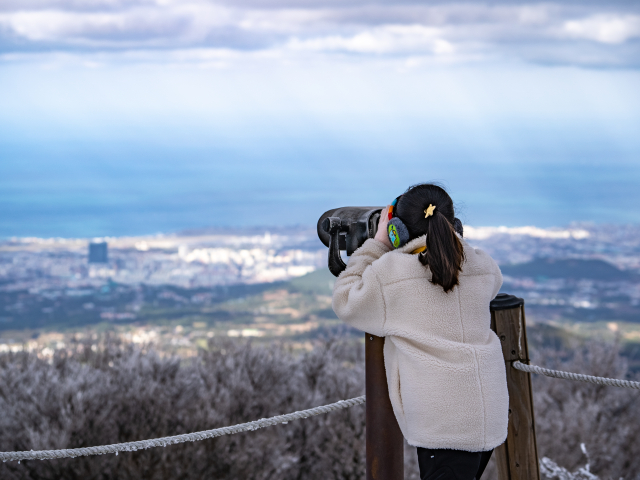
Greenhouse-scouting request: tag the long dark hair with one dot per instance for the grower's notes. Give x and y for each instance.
(444, 254)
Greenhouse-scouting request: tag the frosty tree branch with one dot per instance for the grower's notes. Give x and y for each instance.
(187, 437)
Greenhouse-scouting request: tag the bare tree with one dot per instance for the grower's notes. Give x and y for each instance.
(119, 393)
(604, 418)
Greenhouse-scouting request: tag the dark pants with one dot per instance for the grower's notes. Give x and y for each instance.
(437, 464)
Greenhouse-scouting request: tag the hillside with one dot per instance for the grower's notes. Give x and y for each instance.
(569, 269)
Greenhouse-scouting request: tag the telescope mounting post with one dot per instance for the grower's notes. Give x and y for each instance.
(385, 443)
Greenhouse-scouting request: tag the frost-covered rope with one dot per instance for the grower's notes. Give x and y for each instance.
(187, 437)
(576, 376)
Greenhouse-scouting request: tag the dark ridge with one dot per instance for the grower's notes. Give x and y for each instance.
(569, 268)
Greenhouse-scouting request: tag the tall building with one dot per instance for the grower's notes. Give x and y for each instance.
(98, 252)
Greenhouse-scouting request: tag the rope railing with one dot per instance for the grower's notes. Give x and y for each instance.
(267, 422)
(613, 382)
(187, 437)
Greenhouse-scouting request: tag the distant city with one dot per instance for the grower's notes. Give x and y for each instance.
(189, 261)
(175, 291)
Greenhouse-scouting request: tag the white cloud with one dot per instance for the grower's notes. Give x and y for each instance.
(132, 28)
(611, 29)
(482, 233)
(382, 40)
(454, 31)
(53, 25)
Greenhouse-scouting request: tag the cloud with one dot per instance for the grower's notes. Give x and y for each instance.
(72, 5)
(95, 28)
(394, 39)
(559, 33)
(612, 29)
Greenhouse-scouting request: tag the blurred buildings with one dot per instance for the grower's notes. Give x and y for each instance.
(98, 252)
(223, 284)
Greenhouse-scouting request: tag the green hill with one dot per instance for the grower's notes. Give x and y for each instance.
(319, 282)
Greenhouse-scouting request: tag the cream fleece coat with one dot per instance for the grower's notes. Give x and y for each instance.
(444, 365)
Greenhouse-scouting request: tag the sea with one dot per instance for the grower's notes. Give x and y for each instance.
(94, 187)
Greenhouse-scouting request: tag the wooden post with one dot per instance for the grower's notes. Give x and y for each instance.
(385, 445)
(517, 458)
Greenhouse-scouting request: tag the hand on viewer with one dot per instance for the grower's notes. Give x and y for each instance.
(381, 235)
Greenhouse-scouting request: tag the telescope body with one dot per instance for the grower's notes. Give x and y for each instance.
(346, 229)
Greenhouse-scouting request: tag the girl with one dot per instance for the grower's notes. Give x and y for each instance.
(424, 289)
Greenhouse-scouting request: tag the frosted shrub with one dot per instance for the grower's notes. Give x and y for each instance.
(123, 395)
(604, 419)
(550, 469)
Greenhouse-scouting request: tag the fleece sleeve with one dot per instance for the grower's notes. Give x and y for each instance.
(497, 275)
(357, 293)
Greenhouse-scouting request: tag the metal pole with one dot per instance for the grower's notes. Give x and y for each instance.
(385, 444)
(517, 458)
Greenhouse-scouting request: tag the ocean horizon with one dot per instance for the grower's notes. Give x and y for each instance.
(95, 188)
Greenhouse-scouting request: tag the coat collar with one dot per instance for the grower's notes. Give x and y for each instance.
(413, 244)
(420, 242)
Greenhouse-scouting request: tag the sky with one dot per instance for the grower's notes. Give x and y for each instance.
(135, 117)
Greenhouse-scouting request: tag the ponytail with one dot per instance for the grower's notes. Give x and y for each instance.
(444, 254)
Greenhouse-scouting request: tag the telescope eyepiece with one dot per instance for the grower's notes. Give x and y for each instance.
(331, 224)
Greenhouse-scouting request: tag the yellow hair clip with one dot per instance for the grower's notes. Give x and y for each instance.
(429, 211)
